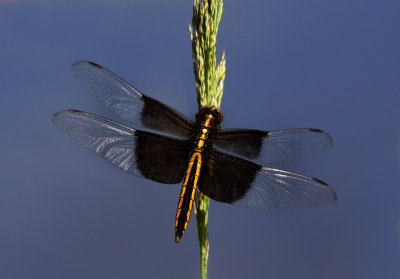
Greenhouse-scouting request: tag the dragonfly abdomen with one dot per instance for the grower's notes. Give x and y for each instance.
(187, 195)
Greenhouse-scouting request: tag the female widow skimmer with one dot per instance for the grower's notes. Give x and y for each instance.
(224, 164)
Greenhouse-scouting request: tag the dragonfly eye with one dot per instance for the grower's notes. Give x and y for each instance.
(215, 112)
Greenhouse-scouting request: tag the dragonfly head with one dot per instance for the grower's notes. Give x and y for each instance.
(205, 112)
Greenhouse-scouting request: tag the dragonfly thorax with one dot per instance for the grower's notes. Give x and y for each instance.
(205, 128)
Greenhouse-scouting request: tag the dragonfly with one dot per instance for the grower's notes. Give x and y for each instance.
(226, 165)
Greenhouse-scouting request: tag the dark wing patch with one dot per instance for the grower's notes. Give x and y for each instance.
(273, 147)
(144, 154)
(160, 158)
(225, 178)
(129, 103)
(239, 182)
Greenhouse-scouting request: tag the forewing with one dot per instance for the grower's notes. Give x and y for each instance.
(273, 147)
(126, 101)
(242, 183)
(144, 154)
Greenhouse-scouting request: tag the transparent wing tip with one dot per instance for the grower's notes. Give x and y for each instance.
(85, 63)
(332, 197)
(55, 118)
(328, 137)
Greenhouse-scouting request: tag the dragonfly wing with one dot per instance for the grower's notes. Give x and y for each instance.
(129, 103)
(273, 147)
(144, 154)
(236, 181)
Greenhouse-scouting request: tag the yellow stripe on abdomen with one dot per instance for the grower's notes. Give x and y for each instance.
(187, 195)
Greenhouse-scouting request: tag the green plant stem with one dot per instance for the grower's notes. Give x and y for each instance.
(201, 209)
(209, 79)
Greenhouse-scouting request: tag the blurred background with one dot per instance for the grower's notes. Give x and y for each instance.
(333, 65)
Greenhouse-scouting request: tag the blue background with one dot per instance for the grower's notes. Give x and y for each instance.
(333, 65)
